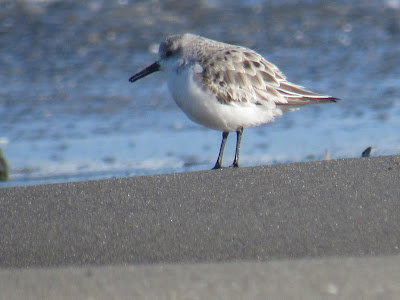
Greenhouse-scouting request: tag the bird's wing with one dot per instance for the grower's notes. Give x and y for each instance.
(240, 75)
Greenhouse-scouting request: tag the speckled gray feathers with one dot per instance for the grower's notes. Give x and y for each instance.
(238, 74)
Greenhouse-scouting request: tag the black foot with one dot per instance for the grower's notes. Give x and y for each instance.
(218, 164)
(239, 139)
(216, 167)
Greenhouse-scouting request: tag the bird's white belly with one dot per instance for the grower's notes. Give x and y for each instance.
(202, 106)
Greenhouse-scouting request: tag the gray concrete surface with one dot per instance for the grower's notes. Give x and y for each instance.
(348, 207)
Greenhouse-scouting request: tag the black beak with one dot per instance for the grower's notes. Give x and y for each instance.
(150, 69)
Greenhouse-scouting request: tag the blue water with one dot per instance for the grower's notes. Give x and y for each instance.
(68, 112)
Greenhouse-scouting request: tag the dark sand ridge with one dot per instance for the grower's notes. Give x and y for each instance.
(304, 212)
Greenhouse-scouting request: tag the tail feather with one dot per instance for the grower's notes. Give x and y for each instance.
(297, 95)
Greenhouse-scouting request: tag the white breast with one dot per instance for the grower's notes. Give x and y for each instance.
(202, 107)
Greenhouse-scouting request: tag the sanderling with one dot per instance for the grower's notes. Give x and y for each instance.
(226, 87)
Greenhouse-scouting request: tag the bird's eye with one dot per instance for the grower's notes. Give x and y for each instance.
(168, 53)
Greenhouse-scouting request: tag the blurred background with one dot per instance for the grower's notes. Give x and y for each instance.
(69, 113)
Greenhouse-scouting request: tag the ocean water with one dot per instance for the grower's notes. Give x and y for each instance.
(69, 113)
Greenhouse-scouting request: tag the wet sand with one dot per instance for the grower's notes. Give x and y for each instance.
(268, 225)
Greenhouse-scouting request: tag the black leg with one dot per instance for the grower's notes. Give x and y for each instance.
(218, 164)
(239, 139)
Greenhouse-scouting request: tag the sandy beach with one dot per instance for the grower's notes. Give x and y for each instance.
(335, 218)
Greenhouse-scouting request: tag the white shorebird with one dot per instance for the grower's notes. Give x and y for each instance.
(226, 87)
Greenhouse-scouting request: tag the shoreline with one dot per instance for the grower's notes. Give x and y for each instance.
(301, 212)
